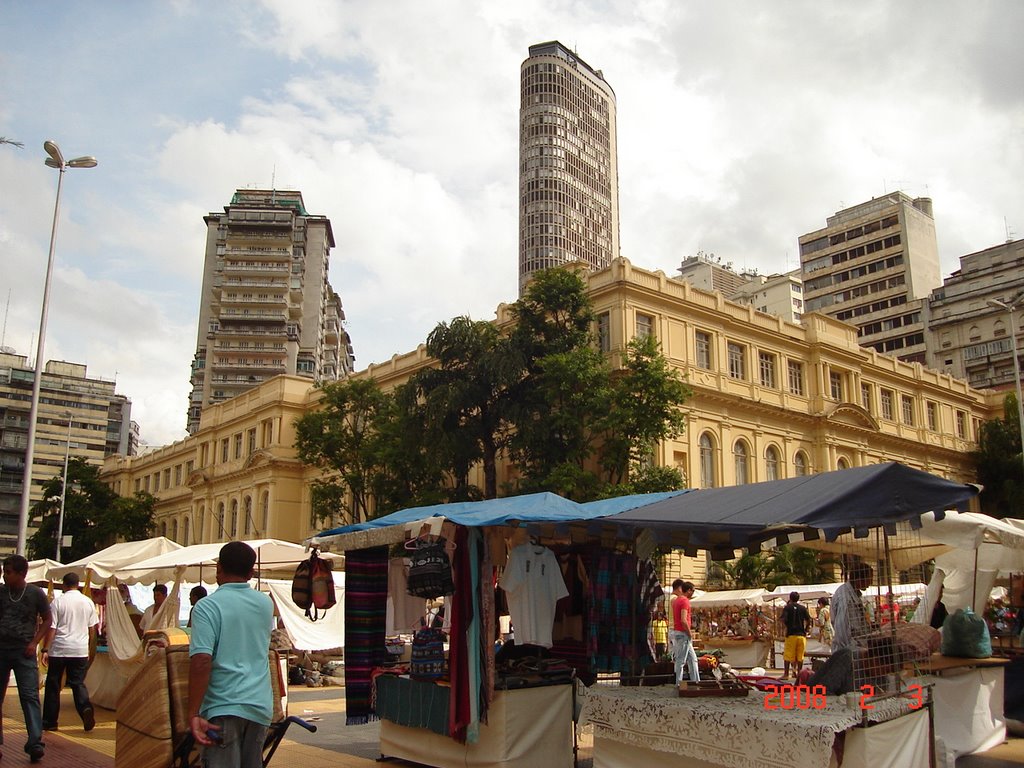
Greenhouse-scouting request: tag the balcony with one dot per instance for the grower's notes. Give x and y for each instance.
(253, 316)
(237, 268)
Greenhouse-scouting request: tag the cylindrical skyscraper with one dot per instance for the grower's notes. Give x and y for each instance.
(568, 174)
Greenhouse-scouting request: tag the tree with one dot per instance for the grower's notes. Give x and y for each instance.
(749, 571)
(341, 437)
(467, 396)
(94, 516)
(798, 565)
(997, 461)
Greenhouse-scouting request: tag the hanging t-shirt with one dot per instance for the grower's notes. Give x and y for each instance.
(404, 610)
(533, 584)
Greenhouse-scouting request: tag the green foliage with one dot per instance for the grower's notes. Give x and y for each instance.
(94, 516)
(785, 565)
(998, 463)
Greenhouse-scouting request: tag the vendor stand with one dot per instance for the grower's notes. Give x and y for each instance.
(718, 520)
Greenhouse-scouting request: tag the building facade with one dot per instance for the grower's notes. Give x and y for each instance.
(78, 414)
(771, 399)
(967, 337)
(780, 295)
(873, 265)
(266, 306)
(568, 166)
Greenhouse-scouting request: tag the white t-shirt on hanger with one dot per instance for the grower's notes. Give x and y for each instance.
(533, 583)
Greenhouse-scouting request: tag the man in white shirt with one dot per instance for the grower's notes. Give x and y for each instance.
(159, 595)
(68, 648)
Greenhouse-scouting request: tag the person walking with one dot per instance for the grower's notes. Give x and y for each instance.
(24, 621)
(681, 634)
(797, 621)
(230, 702)
(68, 648)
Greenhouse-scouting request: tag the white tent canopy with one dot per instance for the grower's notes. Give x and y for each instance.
(198, 562)
(325, 633)
(807, 591)
(729, 597)
(105, 563)
(38, 570)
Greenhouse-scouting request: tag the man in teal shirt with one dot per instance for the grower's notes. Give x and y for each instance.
(229, 696)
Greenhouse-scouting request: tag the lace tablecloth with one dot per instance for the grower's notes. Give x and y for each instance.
(736, 732)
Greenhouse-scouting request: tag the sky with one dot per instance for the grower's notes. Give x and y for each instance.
(741, 126)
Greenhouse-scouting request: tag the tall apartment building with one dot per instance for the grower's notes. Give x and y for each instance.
(100, 425)
(267, 307)
(968, 337)
(780, 295)
(873, 265)
(568, 166)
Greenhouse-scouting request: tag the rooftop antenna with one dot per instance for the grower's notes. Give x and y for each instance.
(6, 309)
(1006, 226)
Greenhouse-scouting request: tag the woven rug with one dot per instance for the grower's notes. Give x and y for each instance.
(366, 598)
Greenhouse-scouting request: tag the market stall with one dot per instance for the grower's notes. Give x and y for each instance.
(730, 620)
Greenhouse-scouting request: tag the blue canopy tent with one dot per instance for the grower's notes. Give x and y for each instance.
(725, 519)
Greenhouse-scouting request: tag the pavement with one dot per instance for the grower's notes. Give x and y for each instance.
(334, 744)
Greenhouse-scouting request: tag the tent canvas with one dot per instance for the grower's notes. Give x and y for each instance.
(725, 597)
(199, 561)
(38, 569)
(101, 565)
(325, 633)
(722, 519)
(807, 591)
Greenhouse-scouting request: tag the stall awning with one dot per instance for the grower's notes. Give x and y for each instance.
(725, 597)
(850, 499)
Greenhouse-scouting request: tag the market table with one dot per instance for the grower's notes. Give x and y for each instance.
(521, 725)
(654, 726)
(740, 652)
(968, 696)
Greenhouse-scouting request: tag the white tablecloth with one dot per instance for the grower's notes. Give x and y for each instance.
(968, 711)
(738, 732)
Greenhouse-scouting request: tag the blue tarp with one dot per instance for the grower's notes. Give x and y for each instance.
(533, 508)
(848, 499)
(620, 504)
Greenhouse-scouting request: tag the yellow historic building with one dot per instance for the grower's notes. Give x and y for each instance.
(771, 399)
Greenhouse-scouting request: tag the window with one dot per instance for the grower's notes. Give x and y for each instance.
(739, 455)
(835, 385)
(736, 367)
(907, 404)
(800, 464)
(247, 511)
(225, 446)
(933, 416)
(703, 346)
(961, 425)
(238, 445)
(771, 463)
(796, 377)
(220, 520)
(886, 397)
(177, 475)
(233, 530)
(187, 537)
(604, 332)
(766, 362)
(842, 463)
(251, 439)
(865, 397)
(265, 513)
(174, 531)
(644, 326)
(707, 461)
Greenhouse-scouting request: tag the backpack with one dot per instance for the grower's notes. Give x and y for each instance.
(313, 586)
(965, 634)
(430, 574)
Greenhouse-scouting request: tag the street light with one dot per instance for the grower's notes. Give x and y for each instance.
(1011, 308)
(55, 160)
(63, 488)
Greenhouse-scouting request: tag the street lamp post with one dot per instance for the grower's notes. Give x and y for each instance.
(1011, 307)
(63, 489)
(55, 160)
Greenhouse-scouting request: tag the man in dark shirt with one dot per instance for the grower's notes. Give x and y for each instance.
(797, 621)
(24, 621)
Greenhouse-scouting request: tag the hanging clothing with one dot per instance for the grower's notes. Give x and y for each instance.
(533, 584)
(404, 610)
(366, 597)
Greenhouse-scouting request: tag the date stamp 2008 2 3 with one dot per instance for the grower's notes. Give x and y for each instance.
(814, 697)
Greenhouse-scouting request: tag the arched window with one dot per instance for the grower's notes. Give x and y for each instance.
(771, 463)
(739, 455)
(800, 464)
(265, 514)
(247, 525)
(842, 463)
(233, 531)
(707, 461)
(187, 538)
(201, 525)
(163, 529)
(174, 531)
(221, 532)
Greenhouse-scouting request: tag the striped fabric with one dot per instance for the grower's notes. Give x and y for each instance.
(366, 597)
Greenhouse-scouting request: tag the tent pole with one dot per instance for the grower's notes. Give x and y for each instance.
(974, 589)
